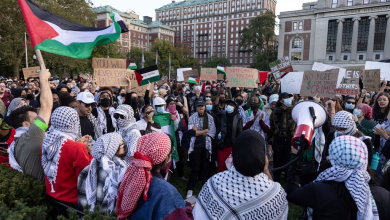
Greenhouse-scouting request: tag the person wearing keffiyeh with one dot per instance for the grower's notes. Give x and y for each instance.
(104, 111)
(98, 183)
(143, 193)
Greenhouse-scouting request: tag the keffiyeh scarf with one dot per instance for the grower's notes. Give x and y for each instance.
(152, 149)
(11, 150)
(95, 124)
(103, 152)
(231, 195)
(344, 119)
(102, 120)
(64, 125)
(349, 157)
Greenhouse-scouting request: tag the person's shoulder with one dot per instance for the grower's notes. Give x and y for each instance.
(165, 190)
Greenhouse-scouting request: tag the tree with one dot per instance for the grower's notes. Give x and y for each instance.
(214, 61)
(259, 39)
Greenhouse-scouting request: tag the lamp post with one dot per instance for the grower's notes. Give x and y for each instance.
(35, 59)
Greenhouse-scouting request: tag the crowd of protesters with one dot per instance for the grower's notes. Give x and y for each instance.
(111, 148)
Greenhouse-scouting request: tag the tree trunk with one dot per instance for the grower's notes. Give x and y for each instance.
(16, 65)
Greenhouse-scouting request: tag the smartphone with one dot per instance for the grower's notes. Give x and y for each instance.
(4, 145)
(191, 200)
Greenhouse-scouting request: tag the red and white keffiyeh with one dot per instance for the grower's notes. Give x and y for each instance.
(152, 149)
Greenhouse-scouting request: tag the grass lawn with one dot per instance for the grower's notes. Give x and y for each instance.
(293, 213)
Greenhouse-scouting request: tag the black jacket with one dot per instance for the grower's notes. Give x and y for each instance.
(237, 127)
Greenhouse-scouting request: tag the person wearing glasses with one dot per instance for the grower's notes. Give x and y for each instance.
(88, 123)
(350, 104)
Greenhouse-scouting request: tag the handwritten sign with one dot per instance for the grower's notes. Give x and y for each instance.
(31, 72)
(281, 65)
(188, 73)
(208, 74)
(220, 77)
(358, 69)
(324, 67)
(140, 90)
(180, 77)
(291, 83)
(372, 80)
(242, 77)
(384, 67)
(111, 77)
(108, 63)
(350, 83)
(322, 83)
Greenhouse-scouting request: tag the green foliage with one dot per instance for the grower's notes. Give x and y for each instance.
(265, 57)
(72, 215)
(214, 61)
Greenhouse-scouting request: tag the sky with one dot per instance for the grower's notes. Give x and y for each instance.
(147, 7)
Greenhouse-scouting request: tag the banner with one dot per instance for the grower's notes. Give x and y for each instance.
(180, 77)
(31, 72)
(321, 83)
(108, 63)
(242, 77)
(372, 80)
(220, 77)
(208, 74)
(281, 65)
(324, 67)
(291, 82)
(384, 67)
(188, 73)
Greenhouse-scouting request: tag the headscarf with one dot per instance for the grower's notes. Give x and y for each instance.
(344, 119)
(366, 109)
(126, 125)
(248, 156)
(349, 158)
(152, 149)
(14, 105)
(264, 97)
(64, 126)
(102, 120)
(103, 153)
(3, 125)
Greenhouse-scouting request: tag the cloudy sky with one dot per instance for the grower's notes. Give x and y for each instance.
(146, 7)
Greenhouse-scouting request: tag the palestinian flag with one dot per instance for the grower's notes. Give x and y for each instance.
(168, 127)
(194, 79)
(131, 65)
(148, 74)
(54, 34)
(221, 68)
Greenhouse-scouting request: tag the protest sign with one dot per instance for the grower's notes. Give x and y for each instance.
(220, 77)
(321, 83)
(350, 83)
(140, 90)
(111, 77)
(291, 82)
(180, 77)
(108, 63)
(262, 76)
(188, 73)
(324, 67)
(372, 80)
(281, 65)
(208, 74)
(358, 69)
(31, 72)
(384, 67)
(242, 77)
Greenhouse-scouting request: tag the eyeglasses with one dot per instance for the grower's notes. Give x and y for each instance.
(348, 102)
(2, 86)
(116, 116)
(87, 105)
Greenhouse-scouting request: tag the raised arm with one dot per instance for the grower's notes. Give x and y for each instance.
(46, 96)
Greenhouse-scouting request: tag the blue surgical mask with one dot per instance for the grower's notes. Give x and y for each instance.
(357, 112)
(57, 81)
(187, 87)
(209, 108)
(287, 102)
(229, 109)
(155, 88)
(349, 106)
(160, 109)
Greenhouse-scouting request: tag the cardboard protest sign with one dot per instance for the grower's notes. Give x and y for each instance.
(208, 74)
(358, 69)
(350, 83)
(111, 77)
(108, 63)
(220, 77)
(322, 83)
(31, 72)
(372, 80)
(188, 73)
(180, 77)
(140, 90)
(324, 67)
(384, 67)
(291, 82)
(281, 65)
(242, 77)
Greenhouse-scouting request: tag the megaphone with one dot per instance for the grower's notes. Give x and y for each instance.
(308, 115)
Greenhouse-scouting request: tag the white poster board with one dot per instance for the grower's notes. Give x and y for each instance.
(180, 76)
(384, 67)
(291, 83)
(324, 67)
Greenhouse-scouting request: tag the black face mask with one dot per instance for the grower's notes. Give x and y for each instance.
(239, 101)
(105, 102)
(30, 96)
(24, 96)
(214, 92)
(254, 105)
(56, 104)
(134, 103)
(222, 100)
(123, 94)
(175, 93)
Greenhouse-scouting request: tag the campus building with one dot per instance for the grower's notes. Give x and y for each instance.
(335, 32)
(213, 27)
(142, 33)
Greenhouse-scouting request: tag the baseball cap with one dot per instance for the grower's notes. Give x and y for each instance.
(200, 103)
(284, 95)
(86, 97)
(273, 98)
(268, 89)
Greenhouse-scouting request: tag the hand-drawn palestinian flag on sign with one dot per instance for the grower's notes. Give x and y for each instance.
(54, 34)
(148, 74)
(194, 79)
(131, 65)
(221, 68)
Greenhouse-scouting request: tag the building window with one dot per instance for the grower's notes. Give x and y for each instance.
(295, 25)
(377, 56)
(297, 42)
(380, 33)
(364, 27)
(366, 1)
(332, 36)
(361, 57)
(296, 48)
(330, 58)
(296, 56)
(345, 57)
(311, 6)
(334, 3)
(300, 25)
(347, 35)
(350, 3)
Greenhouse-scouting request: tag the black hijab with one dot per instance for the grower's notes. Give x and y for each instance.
(249, 153)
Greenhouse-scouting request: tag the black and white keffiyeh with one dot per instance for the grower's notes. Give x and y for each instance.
(96, 127)
(231, 195)
(103, 152)
(344, 119)
(64, 125)
(128, 128)
(101, 119)
(11, 150)
(349, 158)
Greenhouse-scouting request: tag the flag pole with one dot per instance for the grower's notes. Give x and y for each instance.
(169, 76)
(40, 59)
(25, 47)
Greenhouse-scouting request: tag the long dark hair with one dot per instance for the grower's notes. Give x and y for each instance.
(376, 110)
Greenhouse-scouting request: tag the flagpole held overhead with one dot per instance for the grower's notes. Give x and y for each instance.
(156, 57)
(143, 60)
(25, 47)
(40, 59)
(169, 76)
